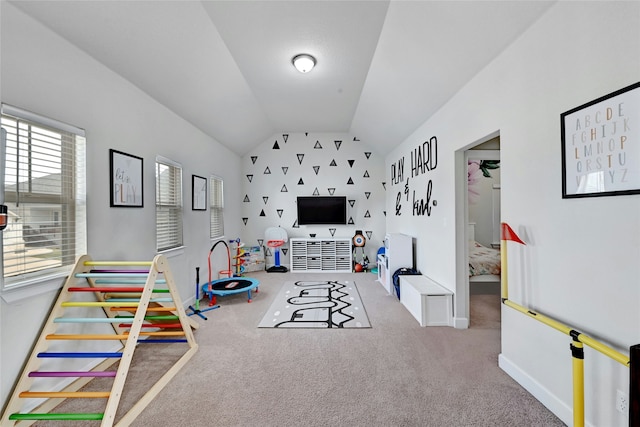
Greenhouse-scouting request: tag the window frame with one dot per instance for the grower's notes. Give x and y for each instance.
(216, 207)
(175, 209)
(69, 197)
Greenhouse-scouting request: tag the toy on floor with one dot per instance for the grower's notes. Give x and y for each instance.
(231, 285)
(227, 285)
(196, 310)
(276, 237)
(359, 241)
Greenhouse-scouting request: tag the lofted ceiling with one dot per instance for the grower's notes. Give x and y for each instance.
(383, 68)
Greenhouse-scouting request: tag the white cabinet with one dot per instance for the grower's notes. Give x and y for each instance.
(320, 255)
(429, 302)
(398, 253)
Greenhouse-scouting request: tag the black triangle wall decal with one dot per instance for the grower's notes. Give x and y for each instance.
(332, 231)
(285, 136)
(245, 219)
(318, 146)
(260, 242)
(316, 169)
(262, 213)
(264, 199)
(284, 251)
(366, 174)
(267, 171)
(316, 192)
(295, 224)
(384, 185)
(352, 202)
(300, 157)
(285, 169)
(276, 146)
(279, 213)
(331, 191)
(367, 153)
(367, 194)
(284, 189)
(333, 163)
(300, 182)
(350, 182)
(250, 177)
(350, 221)
(367, 215)
(369, 233)
(253, 159)
(246, 198)
(351, 162)
(338, 144)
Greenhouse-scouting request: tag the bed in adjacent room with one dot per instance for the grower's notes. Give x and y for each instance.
(484, 267)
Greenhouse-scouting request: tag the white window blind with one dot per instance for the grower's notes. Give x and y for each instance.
(168, 204)
(216, 207)
(45, 193)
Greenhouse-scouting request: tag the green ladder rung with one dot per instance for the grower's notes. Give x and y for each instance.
(57, 417)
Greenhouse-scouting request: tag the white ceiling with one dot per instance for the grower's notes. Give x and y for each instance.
(225, 66)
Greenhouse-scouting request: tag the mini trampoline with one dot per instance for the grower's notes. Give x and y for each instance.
(230, 285)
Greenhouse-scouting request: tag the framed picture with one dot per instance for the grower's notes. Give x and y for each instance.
(199, 193)
(125, 180)
(601, 146)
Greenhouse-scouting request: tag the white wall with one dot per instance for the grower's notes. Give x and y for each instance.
(43, 73)
(304, 164)
(580, 264)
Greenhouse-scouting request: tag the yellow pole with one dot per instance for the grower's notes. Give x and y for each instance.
(504, 284)
(577, 348)
(577, 353)
(580, 337)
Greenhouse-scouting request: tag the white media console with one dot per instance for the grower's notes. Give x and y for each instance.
(320, 255)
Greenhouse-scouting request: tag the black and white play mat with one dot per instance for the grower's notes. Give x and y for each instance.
(316, 304)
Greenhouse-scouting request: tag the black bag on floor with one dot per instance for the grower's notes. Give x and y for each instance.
(402, 272)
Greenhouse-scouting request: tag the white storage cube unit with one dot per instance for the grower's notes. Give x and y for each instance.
(430, 303)
(329, 255)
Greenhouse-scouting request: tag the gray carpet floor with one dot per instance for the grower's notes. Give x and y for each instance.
(395, 373)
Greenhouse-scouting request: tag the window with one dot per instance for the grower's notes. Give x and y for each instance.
(44, 191)
(216, 207)
(168, 204)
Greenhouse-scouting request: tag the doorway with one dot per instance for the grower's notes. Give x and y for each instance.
(478, 202)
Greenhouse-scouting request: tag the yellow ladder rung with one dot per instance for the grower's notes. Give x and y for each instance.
(86, 337)
(117, 263)
(99, 304)
(65, 394)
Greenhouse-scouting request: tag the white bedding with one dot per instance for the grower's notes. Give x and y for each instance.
(483, 260)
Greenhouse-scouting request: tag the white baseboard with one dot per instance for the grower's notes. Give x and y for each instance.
(546, 397)
(461, 322)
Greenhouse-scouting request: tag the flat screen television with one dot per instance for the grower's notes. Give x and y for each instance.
(322, 210)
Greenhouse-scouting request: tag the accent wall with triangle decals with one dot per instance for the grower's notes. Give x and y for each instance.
(286, 166)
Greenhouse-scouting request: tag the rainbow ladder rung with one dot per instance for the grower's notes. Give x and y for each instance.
(136, 314)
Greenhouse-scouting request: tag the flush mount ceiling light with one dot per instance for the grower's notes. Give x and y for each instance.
(303, 62)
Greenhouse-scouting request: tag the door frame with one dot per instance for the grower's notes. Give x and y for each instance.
(462, 156)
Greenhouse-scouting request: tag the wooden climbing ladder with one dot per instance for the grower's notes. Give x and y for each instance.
(140, 302)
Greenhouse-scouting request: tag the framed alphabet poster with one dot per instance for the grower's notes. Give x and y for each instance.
(125, 180)
(601, 146)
